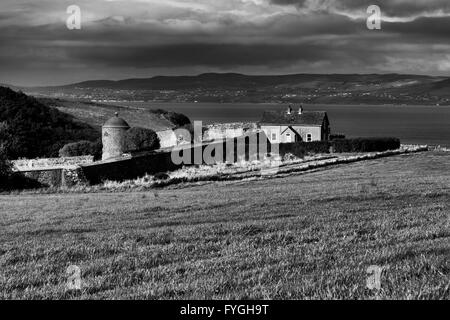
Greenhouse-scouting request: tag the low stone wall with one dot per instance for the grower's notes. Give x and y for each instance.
(47, 178)
(73, 177)
(161, 161)
(167, 138)
(128, 168)
(56, 178)
(50, 163)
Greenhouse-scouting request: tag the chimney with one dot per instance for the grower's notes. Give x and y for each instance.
(289, 110)
(300, 110)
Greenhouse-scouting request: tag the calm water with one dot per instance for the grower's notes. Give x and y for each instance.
(412, 124)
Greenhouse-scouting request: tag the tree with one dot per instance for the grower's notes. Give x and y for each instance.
(6, 139)
(5, 169)
(33, 129)
(141, 139)
(177, 119)
(10, 180)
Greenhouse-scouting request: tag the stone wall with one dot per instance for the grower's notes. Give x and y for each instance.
(47, 178)
(228, 130)
(57, 178)
(161, 161)
(129, 168)
(167, 138)
(50, 163)
(139, 164)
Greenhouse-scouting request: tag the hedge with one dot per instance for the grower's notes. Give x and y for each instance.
(365, 144)
(299, 149)
(141, 139)
(82, 148)
(337, 136)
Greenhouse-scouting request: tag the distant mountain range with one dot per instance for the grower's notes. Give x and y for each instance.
(234, 87)
(241, 81)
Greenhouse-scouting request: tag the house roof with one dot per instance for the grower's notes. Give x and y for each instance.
(291, 130)
(313, 118)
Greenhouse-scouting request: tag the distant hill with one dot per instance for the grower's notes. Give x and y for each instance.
(30, 129)
(241, 81)
(234, 87)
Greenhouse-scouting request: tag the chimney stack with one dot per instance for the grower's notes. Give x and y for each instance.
(289, 110)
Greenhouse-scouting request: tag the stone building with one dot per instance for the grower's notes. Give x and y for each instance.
(113, 134)
(293, 126)
(228, 130)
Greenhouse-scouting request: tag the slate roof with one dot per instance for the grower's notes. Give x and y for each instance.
(313, 118)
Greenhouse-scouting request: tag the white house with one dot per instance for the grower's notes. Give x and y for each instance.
(292, 126)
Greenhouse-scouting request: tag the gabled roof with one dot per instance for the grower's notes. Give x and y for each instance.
(289, 129)
(313, 118)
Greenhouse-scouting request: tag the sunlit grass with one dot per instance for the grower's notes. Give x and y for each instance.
(298, 237)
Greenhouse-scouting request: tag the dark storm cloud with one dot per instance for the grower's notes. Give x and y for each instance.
(287, 41)
(212, 55)
(426, 30)
(149, 37)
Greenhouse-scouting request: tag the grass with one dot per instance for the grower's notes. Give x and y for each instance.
(304, 236)
(96, 114)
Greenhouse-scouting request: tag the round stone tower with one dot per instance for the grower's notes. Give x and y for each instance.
(113, 133)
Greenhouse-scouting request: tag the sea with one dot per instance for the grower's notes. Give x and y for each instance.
(412, 124)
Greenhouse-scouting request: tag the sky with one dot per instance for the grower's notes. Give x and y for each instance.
(122, 39)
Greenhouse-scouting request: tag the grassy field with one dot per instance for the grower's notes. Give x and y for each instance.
(306, 236)
(96, 114)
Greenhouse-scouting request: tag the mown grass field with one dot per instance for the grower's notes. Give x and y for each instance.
(306, 236)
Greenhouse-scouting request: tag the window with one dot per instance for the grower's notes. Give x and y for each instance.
(309, 137)
(274, 136)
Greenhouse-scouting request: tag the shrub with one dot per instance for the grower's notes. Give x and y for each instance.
(365, 144)
(317, 147)
(141, 139)
(299, 149)
(82, 148)
(292, 148)
(341, 145)
(17, 181)
(178, 119)
(337, 136)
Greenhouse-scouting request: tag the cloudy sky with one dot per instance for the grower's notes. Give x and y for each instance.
(142, 38)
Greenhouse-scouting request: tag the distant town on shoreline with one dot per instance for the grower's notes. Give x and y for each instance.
(239, 88)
